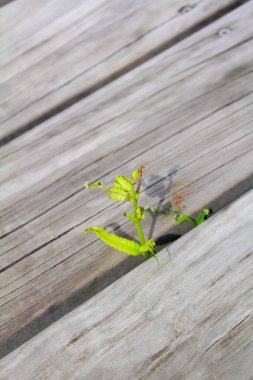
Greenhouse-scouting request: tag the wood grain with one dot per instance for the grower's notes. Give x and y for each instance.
(189, 318)
(55, 52)
(191, 126)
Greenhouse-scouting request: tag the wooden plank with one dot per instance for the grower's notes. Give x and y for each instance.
(55, 52)
(72, 132)
(189, 318)
(50, 268)
(4, 2)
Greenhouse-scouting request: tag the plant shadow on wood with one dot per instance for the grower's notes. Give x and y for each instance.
(116, 228)
(160, 188)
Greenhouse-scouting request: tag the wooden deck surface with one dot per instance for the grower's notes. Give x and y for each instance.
(94, 89)
(55, 52)
(191, 318)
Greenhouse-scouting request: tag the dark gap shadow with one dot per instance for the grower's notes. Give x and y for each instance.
(166, 239)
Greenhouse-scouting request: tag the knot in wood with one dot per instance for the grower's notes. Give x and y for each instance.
(186, 9)
(224, 32)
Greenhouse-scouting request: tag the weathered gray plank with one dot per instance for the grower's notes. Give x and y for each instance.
(189, 318)
(4, 2)
(67, 139)
(195, 122)
(54, 52)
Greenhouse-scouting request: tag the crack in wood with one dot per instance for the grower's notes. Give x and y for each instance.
(227, 336)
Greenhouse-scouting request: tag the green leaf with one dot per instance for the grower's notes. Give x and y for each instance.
(131, 180)
(125, 245)
(135, 174)
(95, 184)
(118, 194)
(202, 216)
(124, 183)
(122, 190)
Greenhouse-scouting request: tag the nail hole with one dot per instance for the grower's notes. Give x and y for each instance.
(224, 32)
(186, 9)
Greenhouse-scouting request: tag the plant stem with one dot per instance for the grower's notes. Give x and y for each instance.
(190, 220)
(138, 224)
(141, 237)
(135, 206)
(140, 233)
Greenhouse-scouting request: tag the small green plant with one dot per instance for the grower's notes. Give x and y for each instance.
(180, 218)
(127, 189)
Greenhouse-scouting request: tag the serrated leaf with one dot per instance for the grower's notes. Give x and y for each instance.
(118, 194)
(124, 183)
(121, 244)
